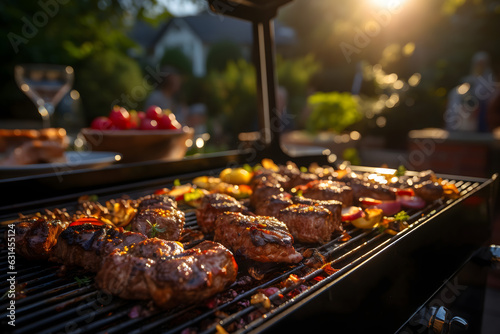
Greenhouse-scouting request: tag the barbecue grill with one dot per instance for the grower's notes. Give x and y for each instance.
(375, 281)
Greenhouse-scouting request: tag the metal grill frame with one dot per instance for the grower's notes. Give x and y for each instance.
(331, 298)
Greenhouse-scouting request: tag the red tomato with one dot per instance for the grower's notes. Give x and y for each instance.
(101, 123)
(168, 122)
(120, 118)
(154, 112)
(148, 124)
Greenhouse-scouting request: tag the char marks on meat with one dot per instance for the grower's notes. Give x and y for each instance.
(124, 271)
(268, 176)
(334, 206)
(178, 276)
(264, 191)
(35, 237)
(272, 205)
(310, 223)
(329, 190)
(194, 275)
(372, 190)
(158, 216)
(260, 238)
(213, 205)
(87, 245)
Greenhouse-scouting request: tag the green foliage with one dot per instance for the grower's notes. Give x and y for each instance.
(332, 111)
(351, 154)
(295, 75)
(220, 54)
(104, 78)
(176, 58)
(232, 96)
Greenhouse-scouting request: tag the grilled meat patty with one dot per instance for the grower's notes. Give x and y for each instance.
(300, 179)
(264, 191)
(260, 238)
(334, 206)
(310, 223)
(35, 237)
(429, 190)
(168, 274)
(213, 205)
(87, 245)
(268, 176)
(193, 276)
(158, 216)
(123, 272)
(154, 201)
(329, 190)
(272, 205)
(372, 190)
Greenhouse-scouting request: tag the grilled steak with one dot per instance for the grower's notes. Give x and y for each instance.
(268, 176)
(334, 206)
(192, 276)
(263, 239)
(429, 190)
(300, 179)
(264, 191)
(123, 272)
(35, 237)
(328, 190)
(156, 201)
(167, 224)
(272, 205)
(158, 216)
(86, 245)
(213, 205)
(178, 276)
(372, 190)
(310, 223)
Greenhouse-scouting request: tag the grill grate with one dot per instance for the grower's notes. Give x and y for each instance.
(59, 302)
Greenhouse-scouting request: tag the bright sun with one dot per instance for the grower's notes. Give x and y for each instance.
(388, 3)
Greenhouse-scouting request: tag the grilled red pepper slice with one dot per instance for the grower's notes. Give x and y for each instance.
(87, 220)
(405, 192)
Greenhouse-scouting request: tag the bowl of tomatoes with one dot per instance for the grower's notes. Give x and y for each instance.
(154, 134)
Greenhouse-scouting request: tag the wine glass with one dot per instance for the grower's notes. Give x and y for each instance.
(45, 85)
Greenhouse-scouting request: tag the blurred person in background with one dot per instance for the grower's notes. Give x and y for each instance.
(468, 102)
(165, 95)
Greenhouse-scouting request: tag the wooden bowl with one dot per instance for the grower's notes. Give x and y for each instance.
(140, 145)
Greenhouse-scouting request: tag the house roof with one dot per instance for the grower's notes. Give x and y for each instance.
(211, 28)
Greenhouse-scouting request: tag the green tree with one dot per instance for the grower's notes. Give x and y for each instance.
(176, 58)
(221, 53)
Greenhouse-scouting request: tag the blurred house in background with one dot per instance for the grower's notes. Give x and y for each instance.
(195, 35)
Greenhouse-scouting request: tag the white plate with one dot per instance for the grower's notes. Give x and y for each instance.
(74, 160)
